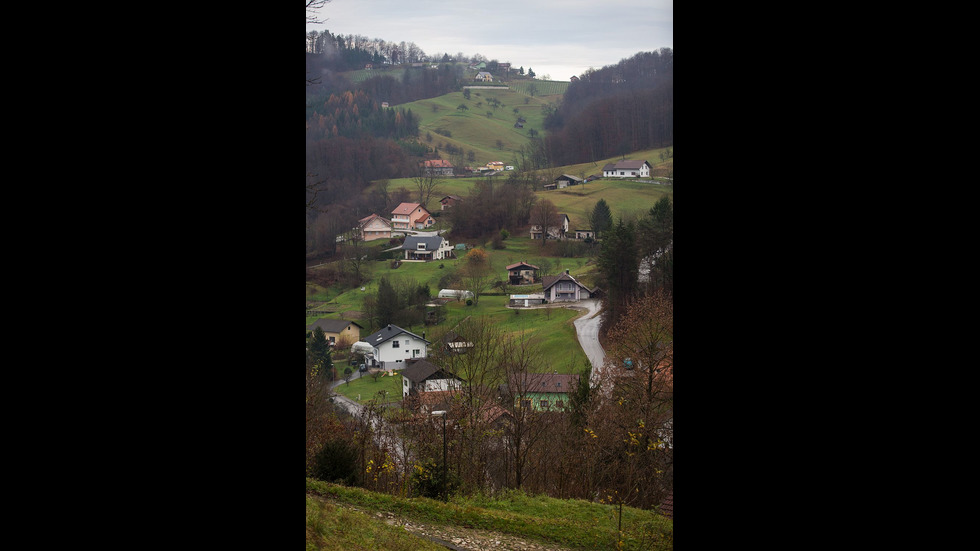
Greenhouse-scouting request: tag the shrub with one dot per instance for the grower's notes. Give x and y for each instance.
(336, 462)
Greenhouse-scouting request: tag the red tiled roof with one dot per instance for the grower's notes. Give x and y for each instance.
(405, 208)
(438, 163)
(512, 266)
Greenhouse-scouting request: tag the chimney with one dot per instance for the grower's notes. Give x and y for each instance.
(389, 327)
(566, 271)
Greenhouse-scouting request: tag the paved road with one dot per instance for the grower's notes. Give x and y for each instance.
(587, 329)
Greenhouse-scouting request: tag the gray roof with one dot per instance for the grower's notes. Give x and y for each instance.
(422, 370)
(431, 243)
(386, 333)
(549, 280)
(332, 325)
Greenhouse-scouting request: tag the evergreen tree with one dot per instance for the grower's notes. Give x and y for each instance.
(387, 304)
(601, 217)
(319, 351)
(619, 264)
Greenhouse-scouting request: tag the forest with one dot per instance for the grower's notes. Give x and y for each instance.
(614, 110)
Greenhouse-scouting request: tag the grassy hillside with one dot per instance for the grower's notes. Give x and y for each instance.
(537, 520)
(624, 197)
(472, 129)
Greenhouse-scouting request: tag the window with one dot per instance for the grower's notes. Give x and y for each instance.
(559, 404)
(526, 404)
(394, 344)
(543, 403)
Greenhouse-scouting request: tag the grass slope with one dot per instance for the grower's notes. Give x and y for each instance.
(573, 523)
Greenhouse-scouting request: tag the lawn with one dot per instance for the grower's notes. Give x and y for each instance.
(365, 388)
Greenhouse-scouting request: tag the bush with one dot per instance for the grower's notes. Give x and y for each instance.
(336, 462)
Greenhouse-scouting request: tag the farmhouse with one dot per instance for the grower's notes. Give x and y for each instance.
(484, 76)
(627, 169)
(554, 232)
(566, 180)
(424, 376)
(437, 167)
(405, 216)
(450, 201)
(336, 330)
(564, 287)
(374, 227)
(521, 273)
(392, 346)
(584, 234)
(426, 248)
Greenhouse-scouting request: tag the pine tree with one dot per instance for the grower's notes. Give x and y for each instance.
(601, 217)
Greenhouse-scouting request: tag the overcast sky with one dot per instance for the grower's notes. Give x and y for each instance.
(558, 38)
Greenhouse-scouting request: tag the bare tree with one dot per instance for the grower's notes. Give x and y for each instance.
(545, 216)
(521, 361)
(425, 183)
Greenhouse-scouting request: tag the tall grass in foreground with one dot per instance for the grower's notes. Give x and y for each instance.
(332, 528)
(576, 524)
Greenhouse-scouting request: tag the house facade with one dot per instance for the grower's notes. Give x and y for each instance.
(521, 273)
(405, 216)
(437, 167)
(336, 330)
(392, 346)
(424, 376)
(554, 232)
(627, 169)
(484, 76)
(564, 287)
(427, 248)
(374, 227)
(584, 234)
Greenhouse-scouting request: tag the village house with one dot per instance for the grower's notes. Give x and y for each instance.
(554, 232)
(456, 344)
(521, 273)
(374, 227)
(483, 76)
(449, 201)
(584, 234)
(392, 346)
(627, 169)
(564, 287)
(437, 167)
(338, 330)
(406, 216)
(424, 376)
(566, 180)
(426, 248)
(495, 165)
(542, 391)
